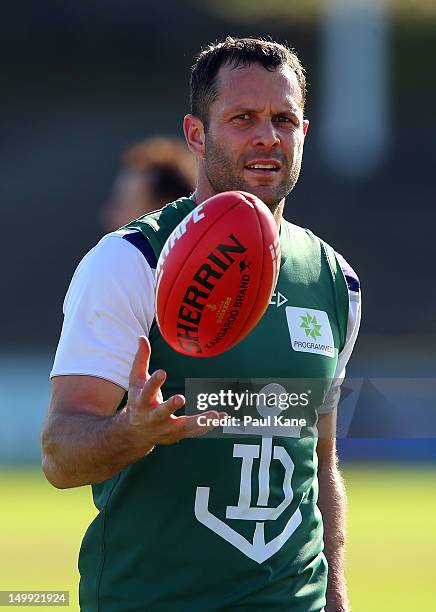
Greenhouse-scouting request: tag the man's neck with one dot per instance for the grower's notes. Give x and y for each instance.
(278, 213)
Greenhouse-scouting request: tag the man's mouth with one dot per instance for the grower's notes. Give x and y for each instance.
(263, 167)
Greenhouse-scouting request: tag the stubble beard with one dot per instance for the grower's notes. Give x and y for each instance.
(221, 174)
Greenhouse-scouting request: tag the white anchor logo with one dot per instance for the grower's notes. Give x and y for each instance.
(258, 549)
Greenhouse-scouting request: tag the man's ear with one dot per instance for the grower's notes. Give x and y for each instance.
(305, 126)
(193, 129)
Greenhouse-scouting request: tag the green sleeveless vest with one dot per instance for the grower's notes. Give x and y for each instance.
(226, 523)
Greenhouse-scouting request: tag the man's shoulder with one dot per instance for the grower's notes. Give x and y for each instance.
(111, 258)
(153, 228)
(169, 215)
(295, 232)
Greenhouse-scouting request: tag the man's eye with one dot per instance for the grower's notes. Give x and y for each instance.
(243, 116)
(283, 119)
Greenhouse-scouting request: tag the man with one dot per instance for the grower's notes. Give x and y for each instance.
(171, 533)
(153, 172)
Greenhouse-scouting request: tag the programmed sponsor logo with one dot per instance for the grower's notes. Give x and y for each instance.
(310, 331)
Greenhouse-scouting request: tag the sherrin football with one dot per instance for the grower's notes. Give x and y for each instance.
(216, 274)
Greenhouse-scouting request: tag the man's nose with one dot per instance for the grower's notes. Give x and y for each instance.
(266, 134)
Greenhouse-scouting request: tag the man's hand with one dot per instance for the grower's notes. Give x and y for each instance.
(86, 440)
(152, 419)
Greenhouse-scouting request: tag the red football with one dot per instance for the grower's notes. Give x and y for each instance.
(216, 274)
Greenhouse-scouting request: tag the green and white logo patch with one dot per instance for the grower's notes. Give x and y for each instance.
(310, 331)
(311, 326)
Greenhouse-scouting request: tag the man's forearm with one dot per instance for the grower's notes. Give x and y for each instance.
(85, 441)
(81, 448)
(332, 503)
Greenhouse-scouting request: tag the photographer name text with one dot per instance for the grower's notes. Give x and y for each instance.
(268, 421)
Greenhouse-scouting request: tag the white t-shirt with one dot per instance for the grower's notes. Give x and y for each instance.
(110, 303)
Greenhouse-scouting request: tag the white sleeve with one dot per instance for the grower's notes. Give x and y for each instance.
(354, 315)
(109, 304)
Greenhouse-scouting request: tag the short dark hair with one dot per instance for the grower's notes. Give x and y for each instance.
(237, 52)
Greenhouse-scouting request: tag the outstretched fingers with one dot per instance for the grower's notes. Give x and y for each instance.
(194, 425)
(151, 394)
(164, 410)
(152, 416)
(139, 372)
(200, 424)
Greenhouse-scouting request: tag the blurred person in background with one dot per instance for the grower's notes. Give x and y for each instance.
(152, 173)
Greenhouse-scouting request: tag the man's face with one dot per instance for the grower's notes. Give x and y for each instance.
(255, 135)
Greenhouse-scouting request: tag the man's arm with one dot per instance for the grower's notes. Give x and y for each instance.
(332, 499)
(332, 503)
(86, 441)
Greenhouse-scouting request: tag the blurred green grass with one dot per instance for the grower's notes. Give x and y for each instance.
(391, 536)
(391, 560)
(40, 535)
